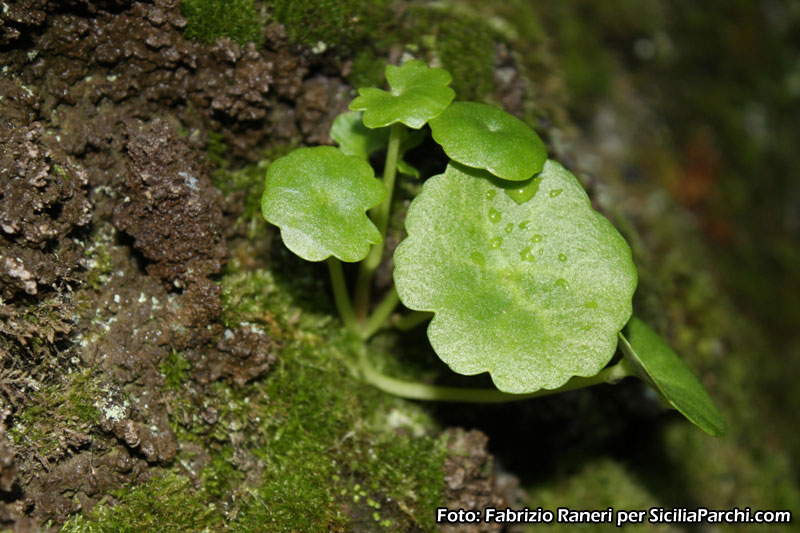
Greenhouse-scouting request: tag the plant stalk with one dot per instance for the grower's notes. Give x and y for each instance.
(412, 320)
(422, 391)
(381, 315)
(380, 215)
(340, 295)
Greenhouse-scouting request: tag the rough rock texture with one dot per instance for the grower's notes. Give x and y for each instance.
(10, 513)
(241, 356)
(469, 478)
(42, 200)
(170, 207)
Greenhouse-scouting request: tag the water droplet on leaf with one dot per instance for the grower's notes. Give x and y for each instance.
(524, 224)
(536, 238)
(562, 257)
(555, 192)
(525, 191)
(510, 227)
(527, 255)
(496, 243)
(478, 258)
(494, 215)
(561, 282)
(590, 305)
(490, 194)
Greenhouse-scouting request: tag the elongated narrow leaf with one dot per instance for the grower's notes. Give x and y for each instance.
(483, 136)
(318, 197)
(532, 289)
(668, 374)
(418, 94)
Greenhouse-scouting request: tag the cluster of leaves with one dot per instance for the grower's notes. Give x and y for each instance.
(524, 279)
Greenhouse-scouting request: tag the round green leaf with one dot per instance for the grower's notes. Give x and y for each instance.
(483, 136)
(659, 365)
(318, 198)
(418, 94)
(533, 292)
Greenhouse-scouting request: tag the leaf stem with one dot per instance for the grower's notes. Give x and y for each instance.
(381, 314)
(412, 320)
(422, 391)
(340, 295)
(380, 215)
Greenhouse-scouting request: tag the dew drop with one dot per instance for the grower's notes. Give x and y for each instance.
(524, 224)
(496, 243)
(590, 305)
(536, 238)
(555, 192)
(561, 282)
(510, 227)
(494, 215)
(524, 190)
(527, 255)
(587, 327)
(478, 258)
(562, 258)
(490, 194)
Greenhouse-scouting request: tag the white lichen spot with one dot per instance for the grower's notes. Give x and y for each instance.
(228, 334)
(17, 270)
(32, 55)
(398, 419)
(112, 77)
(189, 180)
(116, 298)
(319, 48)
(113, 411)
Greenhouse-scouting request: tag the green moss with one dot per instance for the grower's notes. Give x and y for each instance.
(314, 449)
(69, 405)
(325, 24)
(216, 149)
(333, 457)
(368, 69)
(221, 478)
(101, 265)
(167, 503)
(248, 180)
(175, 368)
(208, 20)
(463, 43)
(597, 485)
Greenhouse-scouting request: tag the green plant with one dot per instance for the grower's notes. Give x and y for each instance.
(208, 20)
(521, 277)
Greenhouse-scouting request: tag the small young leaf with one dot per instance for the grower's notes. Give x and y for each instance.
(533, 292)
(408, 170)
(661, 367)
(482, 136)
(318, 197)
(356, 139)
(418, 94)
